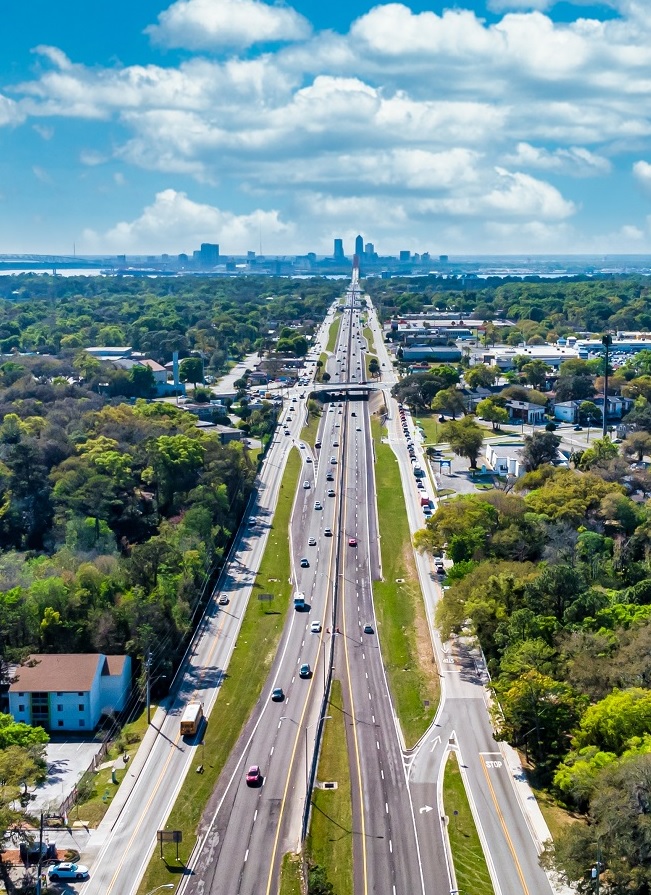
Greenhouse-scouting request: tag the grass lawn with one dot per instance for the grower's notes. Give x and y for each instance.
(99, 787)
(404, 633)
(467, 853)
(256, 646)
(558, 818)
(290, 875)
(429, 423)
(330, 839)
(367, 332)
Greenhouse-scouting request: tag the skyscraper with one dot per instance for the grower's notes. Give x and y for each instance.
(359, 246)
(209, 254)
(339, 249)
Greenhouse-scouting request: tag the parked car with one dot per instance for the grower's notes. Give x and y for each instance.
(67, 870)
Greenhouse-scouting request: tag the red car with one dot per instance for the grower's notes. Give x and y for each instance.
(253, 776)
(352, 542)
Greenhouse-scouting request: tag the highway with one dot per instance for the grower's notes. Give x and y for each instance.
(399, 827)
(119, 850)
(462, 723)
(386, 855)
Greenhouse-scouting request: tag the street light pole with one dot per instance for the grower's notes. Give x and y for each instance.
(164, 886)
(606, 341)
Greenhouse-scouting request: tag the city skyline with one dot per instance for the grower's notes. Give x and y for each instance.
(508, 126)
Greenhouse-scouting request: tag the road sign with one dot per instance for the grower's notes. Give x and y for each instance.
(265, 598)
(170, 836)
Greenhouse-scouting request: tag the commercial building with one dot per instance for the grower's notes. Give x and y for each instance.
(359, 246)
(339, 250)
(209, 254)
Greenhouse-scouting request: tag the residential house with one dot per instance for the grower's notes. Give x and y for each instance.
(532, 414)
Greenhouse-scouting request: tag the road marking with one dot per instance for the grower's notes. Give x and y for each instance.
(246, 856)
(255, 815)
(503, 824)
(373, 718)
(391, 846)
(377, 743)
(425, 809)
(435, 743)
(272, 751)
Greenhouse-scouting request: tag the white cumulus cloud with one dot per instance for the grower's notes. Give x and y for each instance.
(642, 173)
(173, 222)
(213, 24)
(574, 160)
(10, 112)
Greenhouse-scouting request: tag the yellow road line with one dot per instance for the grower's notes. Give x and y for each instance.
(163, 772)
(503, 823)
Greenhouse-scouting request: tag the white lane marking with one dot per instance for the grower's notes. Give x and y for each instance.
(382, 773)
(386, 807)
(377, 743)
(391, 846)
(246, 856)
(373, 718)
(272, 751)
(279, 724)
(255, 815)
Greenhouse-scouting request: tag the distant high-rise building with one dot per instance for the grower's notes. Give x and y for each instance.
(405, 255)
(339, 249)
(209, 254)
(359, 245)
(369, 249)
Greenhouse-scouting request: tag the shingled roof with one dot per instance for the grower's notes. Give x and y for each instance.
(63, 672)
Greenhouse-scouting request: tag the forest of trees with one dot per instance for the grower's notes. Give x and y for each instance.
(112, 511)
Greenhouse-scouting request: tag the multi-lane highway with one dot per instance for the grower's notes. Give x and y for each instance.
(463, 724)
(399, 835)
(122, 846)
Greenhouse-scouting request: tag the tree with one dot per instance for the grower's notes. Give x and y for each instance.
(539, 448)
(374, 366)
(589, 413)
(191, 370)
(15, 733)
(449, 400)
(141, 379)
(494, 413)
(613, 721)
(465, 438)
(638, 445)
(481, 376)
(535, 372)
(539, 713)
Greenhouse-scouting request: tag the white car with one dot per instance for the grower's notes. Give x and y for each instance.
(306, 485)
(315, 628)
(66, 870)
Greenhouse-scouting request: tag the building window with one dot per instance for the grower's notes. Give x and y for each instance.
(82, 723)
(81, 708)
(59, 708)
(80, 693)
(59, 694)
(60, 723)
(21, 707)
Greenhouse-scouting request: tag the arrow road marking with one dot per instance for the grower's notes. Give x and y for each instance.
(435, 743)
(426, 809)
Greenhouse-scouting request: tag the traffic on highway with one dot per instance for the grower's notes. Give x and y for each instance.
(260, 809)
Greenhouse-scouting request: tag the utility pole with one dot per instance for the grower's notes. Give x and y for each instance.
(606, 341)
(148, 684)
(40, 857)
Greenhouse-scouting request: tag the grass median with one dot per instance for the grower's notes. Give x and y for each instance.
(404, 632)
(250, 663)
(333, 335)
(330, 839)
(467, 853)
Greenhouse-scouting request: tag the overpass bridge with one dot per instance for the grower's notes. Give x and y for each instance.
(343, 391)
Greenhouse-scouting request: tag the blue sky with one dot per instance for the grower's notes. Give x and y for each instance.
(479, 126)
